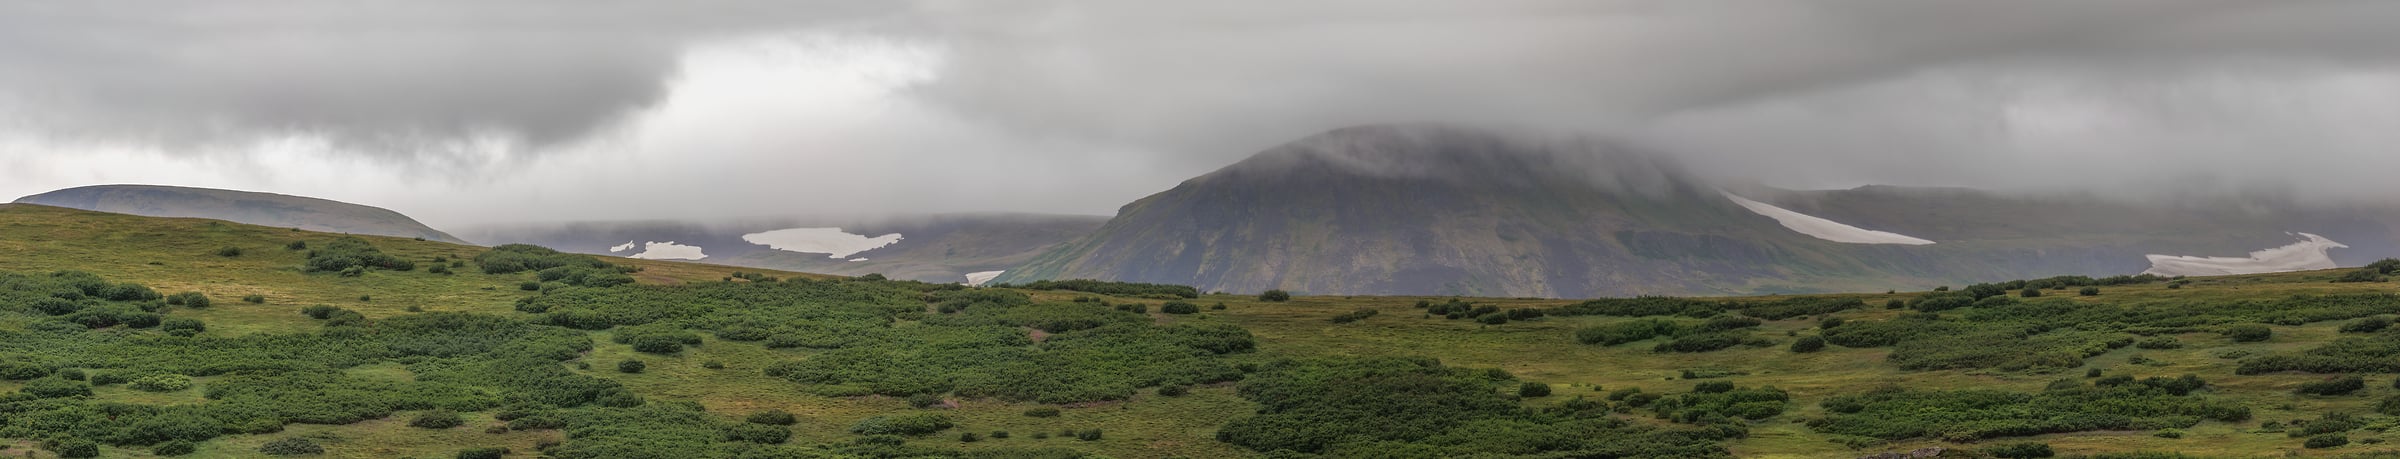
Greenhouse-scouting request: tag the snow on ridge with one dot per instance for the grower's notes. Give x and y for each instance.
(669, 251)
(2307, 254)
(980, 277)
(1821, 228)
(831, 241)
(628, 246)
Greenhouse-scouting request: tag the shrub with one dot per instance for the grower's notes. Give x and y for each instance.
(2030, 293)
(2168, 433)
(2086, 291)
(1362, 314)
(2246, 333)
(2367, 325)
(291, 446)
(438, 269)
(56, 388)
(70, 374)
(296, 245)
(2339, 385)
(758, 433)
(1000, 434)
(1810, 343)
(437, 419)
(352, 256)
(71, 447)
(254, 299)
(2363, 275)
(1178, 307)
(483, 453)
(529, 286)
(195, 300)
(2158, 342)
(902, 424)
(921, 401)
(516, 258)
(1043, 412)
(161, 383)
(229, 251)
(2025, 450)
(2326, 441)
(1088, 435)
(772, 417)
(1533, 390)
(1174, 390)
(968, 437)
(1276, 296)
(630, 366)
(174, 448)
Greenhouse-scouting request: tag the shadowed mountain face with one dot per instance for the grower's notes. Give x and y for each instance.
(1430, 210)
(931, 248)
(264, 209)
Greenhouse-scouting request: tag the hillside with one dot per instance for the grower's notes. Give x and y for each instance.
(1444, 210)
(418, 363)
(264, 209)
(930, 248)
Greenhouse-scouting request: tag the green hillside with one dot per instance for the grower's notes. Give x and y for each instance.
(419, 363)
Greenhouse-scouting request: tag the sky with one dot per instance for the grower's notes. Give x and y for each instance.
(470, 112)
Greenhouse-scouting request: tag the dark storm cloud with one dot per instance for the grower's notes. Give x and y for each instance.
(1077, 106)
(381, 73)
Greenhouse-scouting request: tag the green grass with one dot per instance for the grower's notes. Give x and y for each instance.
(174, 255)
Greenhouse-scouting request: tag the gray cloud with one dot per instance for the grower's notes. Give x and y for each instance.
(1067, 106)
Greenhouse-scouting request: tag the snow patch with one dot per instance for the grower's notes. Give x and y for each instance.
(859, 259)
(628, 246)
(1824, 229)
(2308, 254)
(669, 251)
(831, 241)
(980, 277)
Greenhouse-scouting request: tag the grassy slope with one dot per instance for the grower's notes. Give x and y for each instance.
(125, 247)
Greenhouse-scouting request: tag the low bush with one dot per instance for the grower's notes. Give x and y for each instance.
(291, 446)
(772, 417)
(1275, 296)
(1531, 389)
(2339, 385)
(911, 424)
(2247, 333)
(437, 419)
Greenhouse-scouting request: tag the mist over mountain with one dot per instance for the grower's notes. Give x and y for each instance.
(943, 248)
(1420, 209)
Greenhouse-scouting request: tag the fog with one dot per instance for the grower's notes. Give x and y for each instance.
(464, 113)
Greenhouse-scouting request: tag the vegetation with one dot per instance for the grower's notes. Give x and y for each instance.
(1131, 289)
(99, 363)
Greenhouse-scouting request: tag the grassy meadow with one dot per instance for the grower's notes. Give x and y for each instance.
(730, 378)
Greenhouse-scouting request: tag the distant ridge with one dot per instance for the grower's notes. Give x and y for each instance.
(264, 209)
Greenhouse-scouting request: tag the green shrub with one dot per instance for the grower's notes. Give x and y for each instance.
(1275, 296)
(1178, 307)
(291, 446)
(161, 383)
(1363, 314)
(194, 300)
(1042, 412)
(758, 433)
(630, 366)
(2030, 293)
(483, 453)
(174, 448)
(2022, 450)
(1088, 435)
(968, 437)
(2086, 291)
(2158, 342)
(911, 424)
(2246, 333)
(352, 256)
(71, 447)
(229, 251)
(1810, 343)
(772, 417)
(517, 258)
(2339, 385)
(2367, 325)
(437, 419)
(1174, 390)
(254, 299)
(56, 388)
(529, 286)
(2362, 275)
(1531, 389)
(2326, 441)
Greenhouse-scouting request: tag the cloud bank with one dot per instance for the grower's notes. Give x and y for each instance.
(464, 112)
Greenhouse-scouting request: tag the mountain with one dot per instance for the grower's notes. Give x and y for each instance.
(1444, 210)
(943, 248)
(264, 209)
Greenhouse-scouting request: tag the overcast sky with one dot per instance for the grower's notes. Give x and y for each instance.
(465, 112)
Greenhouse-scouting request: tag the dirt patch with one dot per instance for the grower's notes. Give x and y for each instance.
(1037, 335)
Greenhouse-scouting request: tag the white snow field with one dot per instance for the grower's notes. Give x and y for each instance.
(1824, 229)
(980, 277)
(2307, 254)
(629, 245)
(669, 251)
(831, 241)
